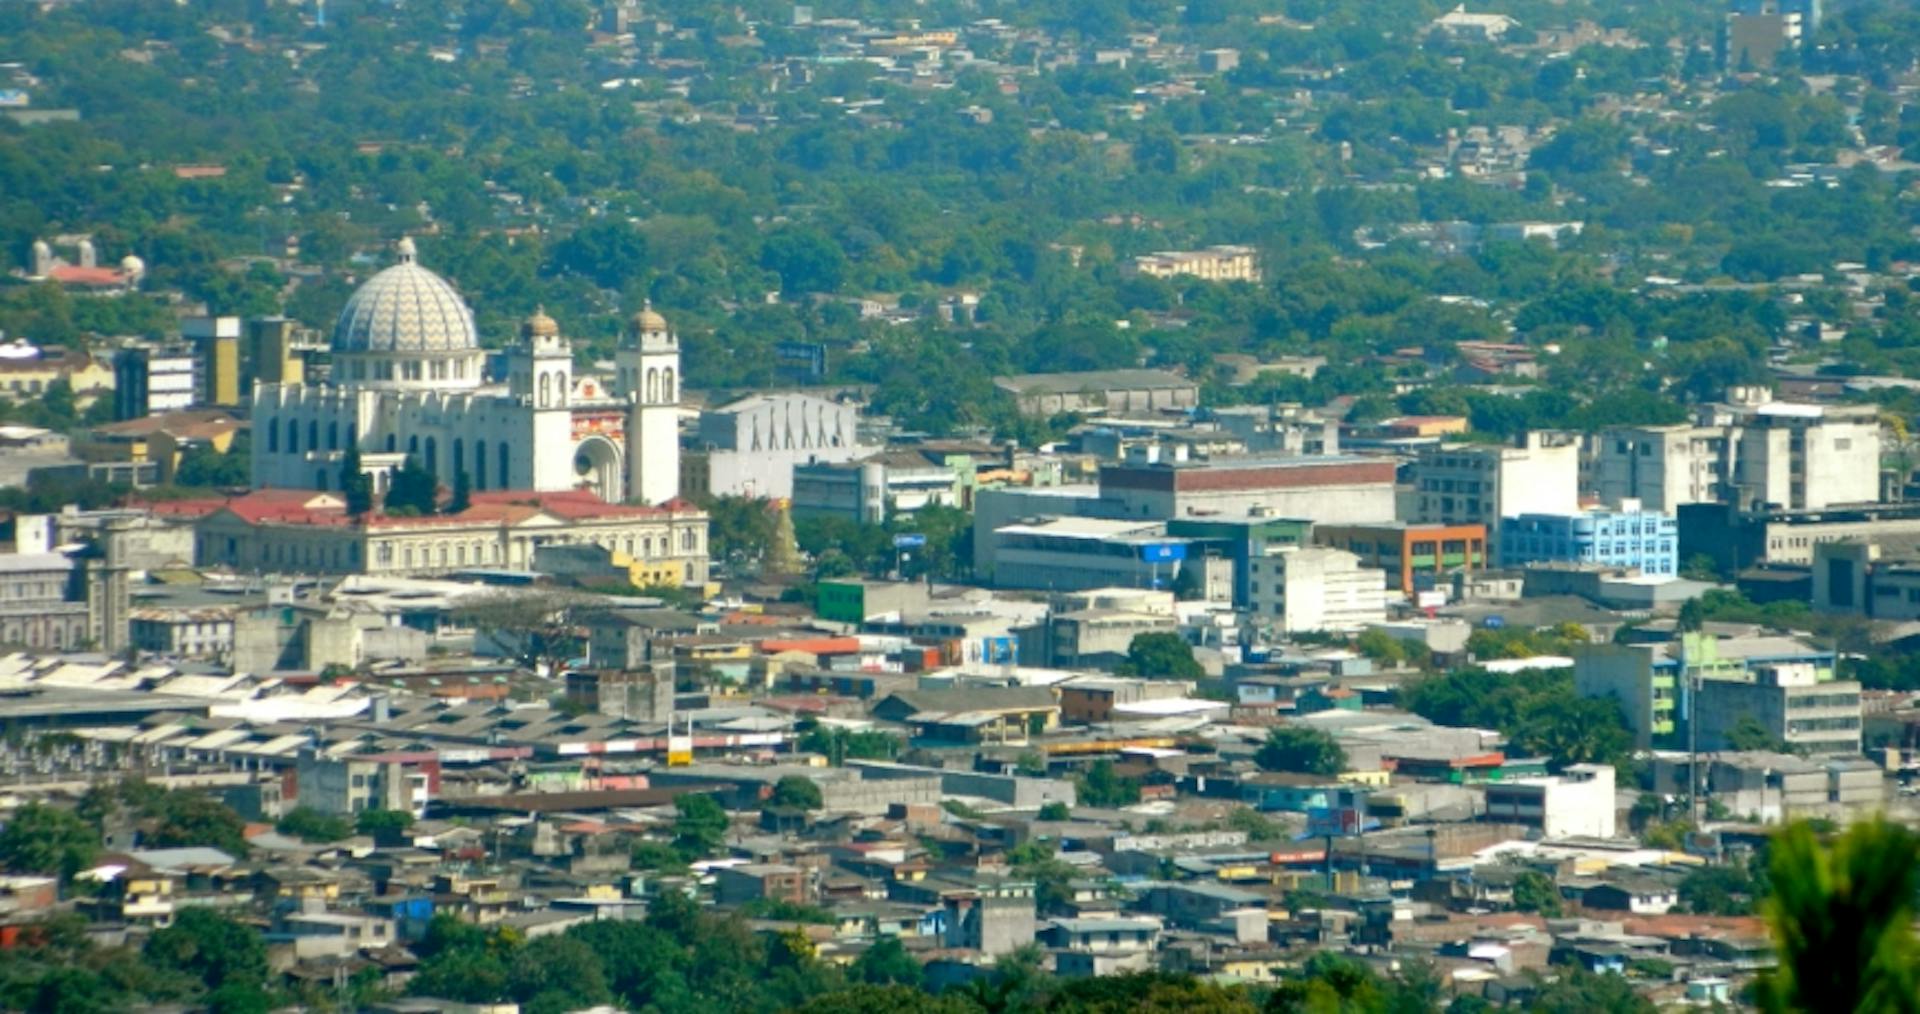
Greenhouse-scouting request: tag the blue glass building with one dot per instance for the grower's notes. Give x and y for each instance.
(1629, 537)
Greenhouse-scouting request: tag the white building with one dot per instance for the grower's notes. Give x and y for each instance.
(749, 447)
(1751, 453)
(1579, 802)
(1309, 588)
(1481, 484)
(407, 381)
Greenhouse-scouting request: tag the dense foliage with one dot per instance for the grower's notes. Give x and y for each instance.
(1538, 712)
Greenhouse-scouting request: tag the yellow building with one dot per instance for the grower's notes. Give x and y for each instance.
(1214, 264)
(27, 371)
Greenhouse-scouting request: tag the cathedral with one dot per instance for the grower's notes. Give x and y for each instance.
(408, 381)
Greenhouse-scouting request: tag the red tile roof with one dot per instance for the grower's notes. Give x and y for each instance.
(68, 274)
(313, 508)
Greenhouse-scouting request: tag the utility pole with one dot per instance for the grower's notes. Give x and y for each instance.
(1693, 747)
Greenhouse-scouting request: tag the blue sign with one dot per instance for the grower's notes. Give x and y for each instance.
(1494, 622)
(909, 540)
(1163, 552)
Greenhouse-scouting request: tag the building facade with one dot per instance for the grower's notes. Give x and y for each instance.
(1465, 484)
(407, 381)
(1319, 489)
(750, 447)
(1628, 537)
(1315, 588)
(1416, 557)
(1754, 454)
(278, 531)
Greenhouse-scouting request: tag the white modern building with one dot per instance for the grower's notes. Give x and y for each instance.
(1579, 802)
(749, 447)
(1312, 588)
(1754, 453)
(407, 381)
(1463, 484)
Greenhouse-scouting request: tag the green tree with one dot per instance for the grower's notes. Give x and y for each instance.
(796, 791)
(887, 961)
(189, 818)
(1842, 919)
(699, 825)
(1718, 890)
(355, 485)
(462, 493)
(46, 839)
(210, 947)
(1534, 891)
(386, 827)
(1161, 655)
(412, 490)
(1103, 785)
(308, 824)
(1576, 991)
(1301, 749)
(1055, 811)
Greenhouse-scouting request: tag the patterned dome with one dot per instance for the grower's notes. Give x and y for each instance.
(648, 320)
(405, 308)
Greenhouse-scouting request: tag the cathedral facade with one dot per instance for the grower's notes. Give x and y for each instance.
(408, 381)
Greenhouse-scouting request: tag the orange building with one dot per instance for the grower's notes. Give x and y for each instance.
(1419, 554)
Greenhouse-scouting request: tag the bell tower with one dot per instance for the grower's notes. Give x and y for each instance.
(647, 375)
(540, 375)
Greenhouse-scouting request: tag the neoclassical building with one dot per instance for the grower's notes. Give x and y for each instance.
(408, 379)
(307, 532)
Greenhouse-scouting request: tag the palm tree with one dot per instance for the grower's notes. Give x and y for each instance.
(1842, 918)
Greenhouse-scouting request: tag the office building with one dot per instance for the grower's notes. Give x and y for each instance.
(1073, 554)
(1318, 489)
(150, 379)
(1853, 576)
(1579, 802)
(216, 342)
(878, 486)
(1416, 557)
(1752, 453)
(1477, 484)
(1628, 537)
(1790, 703)
(1314, 588)
(1651, 682)
(1238, 541)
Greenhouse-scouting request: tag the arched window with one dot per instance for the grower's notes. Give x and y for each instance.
(313, 434)
(506, 476)
(393, 443)
(653, 385)
(546, 393)
(413, 444)
(666, 384)
(273, 436)
(459, 459)
(333, 436)
(479, 464)
(293, 436)
(433, 456)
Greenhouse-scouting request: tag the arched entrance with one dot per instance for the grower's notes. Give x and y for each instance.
(597, 464)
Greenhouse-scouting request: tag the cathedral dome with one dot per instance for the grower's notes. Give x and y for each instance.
(405, 308)
(648, 320)
(540, 325)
